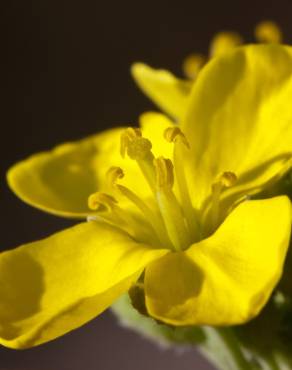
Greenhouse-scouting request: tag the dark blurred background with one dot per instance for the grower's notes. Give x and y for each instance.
(65, 75)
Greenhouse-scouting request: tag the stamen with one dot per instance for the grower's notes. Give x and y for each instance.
(225, 180)
(113, 175)
(223, 42)
(228, 179)
(173, 134)
(130, 134)
(132, 143)
(106, 208)
(192, 65)
(169, 207)
(139, 148)
(268, 32)
(101, 202)
(164, 173)
(176, 136)
(116, 173)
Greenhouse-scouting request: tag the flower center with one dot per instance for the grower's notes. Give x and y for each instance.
(172, 221)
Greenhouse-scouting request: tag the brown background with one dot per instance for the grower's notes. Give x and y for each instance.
(65, 74)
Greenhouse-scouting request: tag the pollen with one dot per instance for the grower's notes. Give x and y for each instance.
(139, 148)
(134, 145)
(130, 134)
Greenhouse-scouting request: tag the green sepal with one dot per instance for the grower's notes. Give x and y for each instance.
(148, 327)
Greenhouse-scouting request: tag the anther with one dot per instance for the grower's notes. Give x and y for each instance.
(268, 32)
(108, 210)
(193, 64)
(113, 175)
(130, 134)
(224, 42)
(224, 181)
(228, 179)
(164, 172)
(134, 145)
(101, 202)
(139, 148)
(173, 134)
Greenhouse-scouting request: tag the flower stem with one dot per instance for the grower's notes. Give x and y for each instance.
(281, 363)
(223, 350)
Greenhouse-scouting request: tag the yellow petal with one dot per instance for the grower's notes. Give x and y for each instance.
(153, 126)
(59, 181)
(167, 91)
(55, 285)
(239, 119)
(227, 278)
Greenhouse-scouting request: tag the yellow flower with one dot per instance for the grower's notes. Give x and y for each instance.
(174, 216)
(171, 93)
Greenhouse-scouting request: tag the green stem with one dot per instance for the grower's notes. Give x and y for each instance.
(281, 362)
(223, 350)
(269, 363)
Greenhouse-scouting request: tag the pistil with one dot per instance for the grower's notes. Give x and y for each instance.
(169, 206)
(175, 135)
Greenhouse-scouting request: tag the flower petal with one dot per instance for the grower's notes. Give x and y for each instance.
(153, 125)
(167, 91)
(227, 278)
(55, 285)
(239, 119)
(59, 181)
